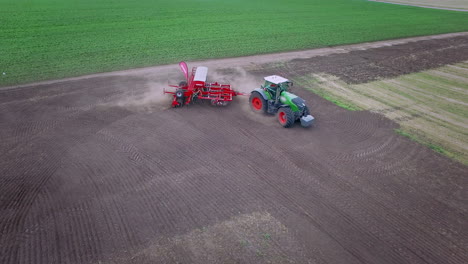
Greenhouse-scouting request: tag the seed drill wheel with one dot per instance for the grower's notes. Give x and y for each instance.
(257, 103)
(180, 97)
(286, 117)
(179, 93)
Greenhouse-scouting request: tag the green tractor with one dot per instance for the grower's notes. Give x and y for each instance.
(273, 98)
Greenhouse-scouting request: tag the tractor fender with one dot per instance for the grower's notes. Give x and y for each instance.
(260, 91)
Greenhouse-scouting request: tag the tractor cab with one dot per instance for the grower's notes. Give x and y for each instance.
(275, 85)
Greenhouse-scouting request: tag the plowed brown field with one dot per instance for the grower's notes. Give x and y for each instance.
(100, 170)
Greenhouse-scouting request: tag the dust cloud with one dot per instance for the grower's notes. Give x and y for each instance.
(237, 77)
(245, 82)
(148, 98)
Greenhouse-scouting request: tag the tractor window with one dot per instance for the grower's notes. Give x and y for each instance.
(284, 87)
(272, 89)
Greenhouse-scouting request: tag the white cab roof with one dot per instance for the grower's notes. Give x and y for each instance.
(276, 79)
(200, 74)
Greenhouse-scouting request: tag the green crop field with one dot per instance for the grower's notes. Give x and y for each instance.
(48, 39)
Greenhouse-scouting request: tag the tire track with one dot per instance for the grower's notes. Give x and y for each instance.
(410, 199)
(23, 198)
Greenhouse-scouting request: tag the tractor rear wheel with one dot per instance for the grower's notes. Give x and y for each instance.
(286, 117)
(257, 103)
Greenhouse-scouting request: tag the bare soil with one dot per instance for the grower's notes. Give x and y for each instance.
(454, 5)
(360, 66)
(100, 170)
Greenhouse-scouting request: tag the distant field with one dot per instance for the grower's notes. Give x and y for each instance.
(430, 106)
(49, 39)
(456, 4)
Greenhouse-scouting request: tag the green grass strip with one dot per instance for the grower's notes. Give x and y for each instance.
(416, 137)
(348, 105)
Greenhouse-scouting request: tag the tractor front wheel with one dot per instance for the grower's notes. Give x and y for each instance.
(257, 103)
(286, 117)
(306, 111)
